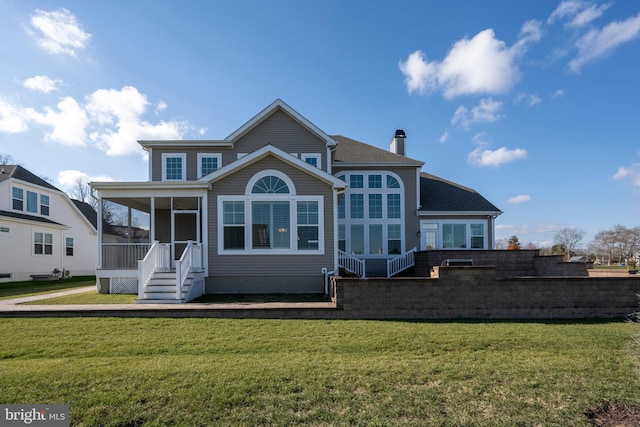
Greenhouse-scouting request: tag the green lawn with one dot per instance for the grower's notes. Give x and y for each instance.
(117, 372)
(23, 289)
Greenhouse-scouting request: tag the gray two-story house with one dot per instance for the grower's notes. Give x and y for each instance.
(277, 207)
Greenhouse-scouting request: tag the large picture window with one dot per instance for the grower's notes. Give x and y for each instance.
(461, 235)
(271, 219)
(373, 224)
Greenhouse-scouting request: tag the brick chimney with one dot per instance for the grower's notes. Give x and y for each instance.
(398, 143)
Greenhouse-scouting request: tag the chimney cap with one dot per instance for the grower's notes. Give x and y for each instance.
(400, 134)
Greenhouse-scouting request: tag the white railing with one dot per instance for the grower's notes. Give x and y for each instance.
(123, 256)
(400, 263)
(351, 263)
(190, 260)
(158, 258)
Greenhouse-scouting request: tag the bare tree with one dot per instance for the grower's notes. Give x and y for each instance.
(80, 190)
(568, 239)
(616, 244)
(7, 159)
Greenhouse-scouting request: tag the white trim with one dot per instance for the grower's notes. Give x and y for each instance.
(187, 143)
(271, 172)
(466, 222)
(183, 173)
(484, 214)
(240, 155)
(217, 156)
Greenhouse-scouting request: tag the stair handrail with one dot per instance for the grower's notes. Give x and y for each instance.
(401, 262)
(190, 260)
(157, 258)
(351, 263)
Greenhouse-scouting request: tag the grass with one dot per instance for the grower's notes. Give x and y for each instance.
(117, 372)
(22, 289)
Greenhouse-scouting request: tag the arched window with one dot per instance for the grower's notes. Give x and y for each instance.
(270, 185)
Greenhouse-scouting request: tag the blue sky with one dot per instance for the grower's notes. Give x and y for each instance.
(534, 104)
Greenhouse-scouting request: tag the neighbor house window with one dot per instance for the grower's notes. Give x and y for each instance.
(271, 218)
(312, 159)
(42, 243)
(18, 198)
(208, 163)
(68, 244)
(174, 167)
(32, 202)
(44, 204)
(4, 229)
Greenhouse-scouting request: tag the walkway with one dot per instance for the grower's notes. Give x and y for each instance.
(269, 310)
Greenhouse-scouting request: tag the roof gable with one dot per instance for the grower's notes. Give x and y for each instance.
(22, 174)
(279, 105)
(440, 195)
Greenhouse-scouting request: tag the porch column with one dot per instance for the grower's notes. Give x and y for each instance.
(99, 231)
(152, 220)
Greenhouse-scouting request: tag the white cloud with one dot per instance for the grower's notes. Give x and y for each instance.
(520, 198)
(41, 83)
(420, 75)
(482, 64)
(59, 31)
(444, 137)
(557, 94)
(495, 158)
(119, 114)
(579, 13)
(160, 107)
(12, 118)
(528, 100)
(68, 177)
(69, 122)
(113, 119)
(599, 42)
(632, 173)
(202, 131)
(487, 110)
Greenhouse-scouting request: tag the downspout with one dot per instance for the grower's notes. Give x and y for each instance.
(336, 193)
(326, 281)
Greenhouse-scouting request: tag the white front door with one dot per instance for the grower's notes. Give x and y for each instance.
(428, 235)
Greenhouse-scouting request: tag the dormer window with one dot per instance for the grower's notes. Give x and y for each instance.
(313, 159)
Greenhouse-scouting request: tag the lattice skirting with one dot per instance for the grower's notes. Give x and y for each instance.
(124, 285)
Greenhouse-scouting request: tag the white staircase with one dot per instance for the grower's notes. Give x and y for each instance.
(158, 283)
(161, 288)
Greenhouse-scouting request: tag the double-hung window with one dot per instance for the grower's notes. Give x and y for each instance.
(308, 225)
(42, 243)
(233, 220)
(17, 195)
(313, 159)
(174, 167)
(44, 204)
(68, 244)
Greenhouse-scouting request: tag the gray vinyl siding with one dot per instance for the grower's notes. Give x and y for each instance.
(281, 131)
(408, 176)
(249, 265)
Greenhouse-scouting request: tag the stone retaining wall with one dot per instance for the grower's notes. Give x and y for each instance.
(475, 292)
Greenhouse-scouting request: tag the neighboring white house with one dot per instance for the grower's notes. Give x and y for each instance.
(42, 230)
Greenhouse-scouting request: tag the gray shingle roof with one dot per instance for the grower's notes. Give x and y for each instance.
(438, 194)
(351, 151)
(27, 217)
(18, 172)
